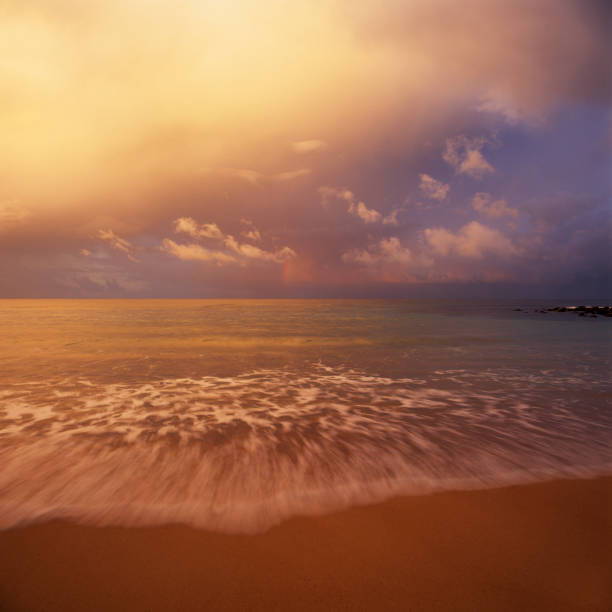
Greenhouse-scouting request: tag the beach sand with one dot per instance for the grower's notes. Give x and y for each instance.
(534, 547)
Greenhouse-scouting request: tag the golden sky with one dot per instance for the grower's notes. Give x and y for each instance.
(330, 143)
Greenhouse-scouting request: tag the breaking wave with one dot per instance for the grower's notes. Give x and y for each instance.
(242, 453)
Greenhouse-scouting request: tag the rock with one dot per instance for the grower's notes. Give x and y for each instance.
(582, 310)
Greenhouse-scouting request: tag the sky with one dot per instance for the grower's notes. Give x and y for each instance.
(305, 148)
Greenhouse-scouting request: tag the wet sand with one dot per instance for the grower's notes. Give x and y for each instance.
(535, 547)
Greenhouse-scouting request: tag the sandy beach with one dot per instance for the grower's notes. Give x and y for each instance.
(534, 547)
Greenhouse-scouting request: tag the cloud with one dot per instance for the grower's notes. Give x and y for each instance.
(472, 240)
(496, 103)
(387, 251)
(367, 215)
(118, 243)
(392, 250)
(308, 146)
(252, 252)
(195, 252)
(391, 218)
(329, 194)
(244, 174)
(238, 253)
(85, 252)
(258, 178)
(355, 207)
(383, 83)
(189, 226)
(527, 56)
(464, 154)
(432, 188)
(499, 208)
(252, 234)
(283, 177)
(12, 213)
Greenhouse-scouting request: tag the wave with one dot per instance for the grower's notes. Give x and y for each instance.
(242, 453)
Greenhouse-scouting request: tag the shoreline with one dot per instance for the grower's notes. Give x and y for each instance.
(541, 546)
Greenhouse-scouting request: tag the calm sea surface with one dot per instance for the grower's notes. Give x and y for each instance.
(235, 414)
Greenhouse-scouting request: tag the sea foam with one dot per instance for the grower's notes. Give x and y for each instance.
(241, 453)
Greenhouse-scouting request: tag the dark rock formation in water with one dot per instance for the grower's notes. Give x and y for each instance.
(583, 311)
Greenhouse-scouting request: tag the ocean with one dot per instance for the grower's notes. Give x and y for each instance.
(233, 415)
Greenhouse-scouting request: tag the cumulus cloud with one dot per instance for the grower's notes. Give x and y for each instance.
(472, 240)
(367, 215)
(434, 60)
(392, 250)
(432, 188)
(464, 154)
(252, 234)
(329, 194)
(387, 251)
(356, 207)
(499, 104)
(391, 218)
(196, 252)
(235, 252)
(308, 146)
(253, 252)
(118, 243)
(499, 208)
(189, 226)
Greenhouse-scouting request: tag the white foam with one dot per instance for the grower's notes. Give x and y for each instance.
(242, 453)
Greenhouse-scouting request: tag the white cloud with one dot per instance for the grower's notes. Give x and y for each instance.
(495, 102)
(195, 252)
(360, 256)
(499, 208)
(329, 194)
(251, 251)
(308, 146)
(464, 154)
(472, 240)
(432, 188)
(387, 251)
(252, 234)
(391, 218)
(279, 256)
(392, 250)
(238, 253)
(189, 226)
(367, 215)
(118, 243)
(355, 207)
(503, 107)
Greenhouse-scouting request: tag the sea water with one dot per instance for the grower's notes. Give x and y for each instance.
(236, 414)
